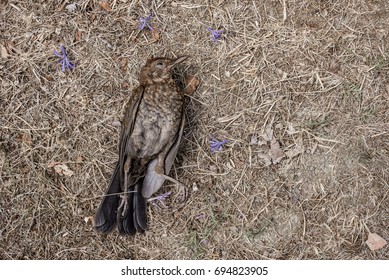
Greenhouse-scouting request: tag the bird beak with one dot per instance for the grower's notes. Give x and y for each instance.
(177, 61)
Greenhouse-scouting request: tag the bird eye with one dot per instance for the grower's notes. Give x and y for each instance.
(160, 64)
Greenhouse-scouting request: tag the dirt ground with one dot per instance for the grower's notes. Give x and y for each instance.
(298, 88)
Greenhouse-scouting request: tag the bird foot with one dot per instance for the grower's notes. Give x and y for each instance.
(182, 189)
(183, 194)
(123, 204)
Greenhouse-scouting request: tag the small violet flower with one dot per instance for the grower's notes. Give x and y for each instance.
(200, 216)
(215, 33)
(160, 198)
(63, 59)
(216, 145)
(144, 22)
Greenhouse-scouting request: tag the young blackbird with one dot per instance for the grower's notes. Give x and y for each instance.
(150, 135)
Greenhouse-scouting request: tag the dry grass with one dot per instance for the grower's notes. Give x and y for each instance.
(316, 72)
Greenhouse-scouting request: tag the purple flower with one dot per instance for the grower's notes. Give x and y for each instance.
(143, 22)
(63, 59)
(216, 145)
(215, 33)
(200, 216)
(160, 198)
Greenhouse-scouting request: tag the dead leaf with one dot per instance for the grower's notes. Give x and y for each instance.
(254, 140)
(4, 52)
(375, 242)
(61, 168)
(105, 6)
(297, 150)
(276, 152)
(71, 7)
(291, 130)
(79, 159)
(268, 135)
(155, 36)
(191, 84)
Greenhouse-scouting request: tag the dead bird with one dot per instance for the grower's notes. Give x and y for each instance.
(151, 132)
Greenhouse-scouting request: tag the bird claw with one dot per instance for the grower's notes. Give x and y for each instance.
(182, 193)
(123, 204)
(182, 189)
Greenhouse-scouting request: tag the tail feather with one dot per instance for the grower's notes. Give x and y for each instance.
(140, 209)
(105, 218)
(133, 220)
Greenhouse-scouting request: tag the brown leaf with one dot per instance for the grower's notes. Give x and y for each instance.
(276, 152)
(155, 35)
(105, 6)
(61, 168)
(298, 149)
(375, 242)
(294, 153)
(191, 84)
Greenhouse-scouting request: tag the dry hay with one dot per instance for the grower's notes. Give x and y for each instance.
(312, 74)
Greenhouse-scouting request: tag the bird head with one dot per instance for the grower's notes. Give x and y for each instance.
(158, 70)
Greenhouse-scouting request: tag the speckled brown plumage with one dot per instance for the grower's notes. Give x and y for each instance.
(151, 132)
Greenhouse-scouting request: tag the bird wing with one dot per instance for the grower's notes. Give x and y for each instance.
(174, 148)
(128, 125)
(153, 181)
